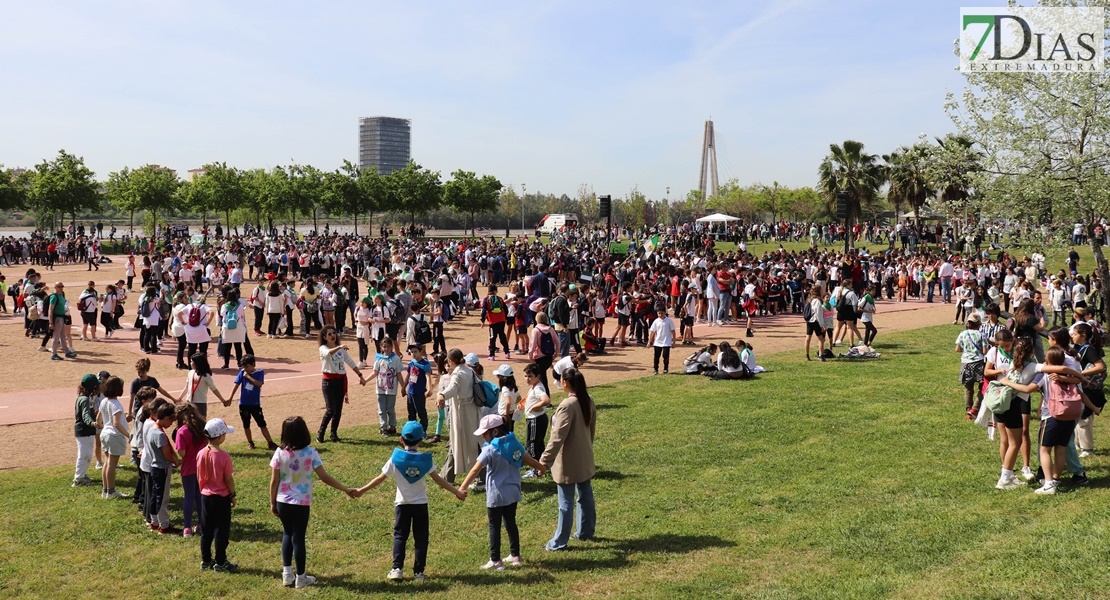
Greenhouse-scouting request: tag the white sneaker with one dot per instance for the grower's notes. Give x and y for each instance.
(1027, 474)
(304, 581)
(1008, 484)
(419, 577)
(495, 565)
(1086, 454)
(288, 579)
(1048, 488)
(99, 465)
(395, 575)
(512, 561)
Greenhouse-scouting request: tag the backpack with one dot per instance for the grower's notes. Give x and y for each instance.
(485, 393)
(807, 312)
(194, 315)
(481, 391)
(1097, 379)
(494, 304)
(311, 306)
(998, 397)
(421, 331)
(547, 345)
(33, 311)
(1064, 401)
(232, 317)
(146, 308)
(396, 313)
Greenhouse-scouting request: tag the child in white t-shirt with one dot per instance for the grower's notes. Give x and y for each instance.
(409, 469)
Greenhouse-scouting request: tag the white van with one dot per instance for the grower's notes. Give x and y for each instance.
(552, 223)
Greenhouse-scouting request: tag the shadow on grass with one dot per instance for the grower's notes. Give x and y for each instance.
(247, 531)
(537, 490)
(620, 550)
(380, 587)
(610, 406)
(527, 577)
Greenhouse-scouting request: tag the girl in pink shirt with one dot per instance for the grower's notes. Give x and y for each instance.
(188, 440)
(217, 491)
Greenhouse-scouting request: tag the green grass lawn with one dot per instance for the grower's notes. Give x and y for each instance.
(837, 480)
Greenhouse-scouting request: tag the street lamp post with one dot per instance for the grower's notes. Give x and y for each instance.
(523, 194)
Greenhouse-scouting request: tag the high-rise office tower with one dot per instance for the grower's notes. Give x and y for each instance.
(384, 143)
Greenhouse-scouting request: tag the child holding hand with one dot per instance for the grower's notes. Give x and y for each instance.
(502, 456)
(410, 468)
(216, 479)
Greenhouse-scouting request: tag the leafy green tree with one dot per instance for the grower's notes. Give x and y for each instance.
(64, 186)
(220, 189)
(954, 169)
(414, 190)
(906, 172)
(120, 194)
(469, 194)
(308, 188)
(155, 190)
(511, 206)
(13, 190)
(1044, 140)
(847, 168)
(771, 198)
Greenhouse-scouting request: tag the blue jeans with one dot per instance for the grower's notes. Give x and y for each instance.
(946, 288)
(564, 342)
(725, 310)
(932, 286)
(587, 515)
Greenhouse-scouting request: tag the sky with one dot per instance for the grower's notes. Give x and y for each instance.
(547, 94)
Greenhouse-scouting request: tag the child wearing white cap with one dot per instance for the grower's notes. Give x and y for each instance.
(216, 479)
(502, 456)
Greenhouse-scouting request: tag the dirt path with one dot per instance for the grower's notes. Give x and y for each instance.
(36, 403)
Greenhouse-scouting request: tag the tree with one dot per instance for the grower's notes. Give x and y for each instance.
(906, 173)
(771, 198)
(470, 194)
(1045, 137)
(13, 190)
(220, 189)
(155, 189)
(414, 190)
(847, 168)
(308, 192)
(511, 206)
(63, 185)
(953, 171)
(589, 209)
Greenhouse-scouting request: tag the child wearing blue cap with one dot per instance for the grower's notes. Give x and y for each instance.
(409, 468)
(502, 456)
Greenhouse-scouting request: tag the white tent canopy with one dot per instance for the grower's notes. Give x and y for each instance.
(717, 218)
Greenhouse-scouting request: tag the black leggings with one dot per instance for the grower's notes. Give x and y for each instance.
(496, 332)
(333, 404)
(258, 312)
(363, 349)
(412, 517)
(215, 524)
(497, 515)
(869, 332)
(294, 524)
(537, 431)
(544, 363)
(272, 327)
(439, 344)
(192, 349)
(181, 349)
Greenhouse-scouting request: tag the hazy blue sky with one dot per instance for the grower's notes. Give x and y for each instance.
(551, 94)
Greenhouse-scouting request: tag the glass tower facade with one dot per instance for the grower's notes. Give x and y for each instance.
(384, 143)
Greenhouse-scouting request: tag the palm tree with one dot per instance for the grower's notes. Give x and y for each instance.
(848, 168)
(905, 172)
(955, 164)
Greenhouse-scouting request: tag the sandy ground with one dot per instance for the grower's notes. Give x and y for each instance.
(36, 405)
